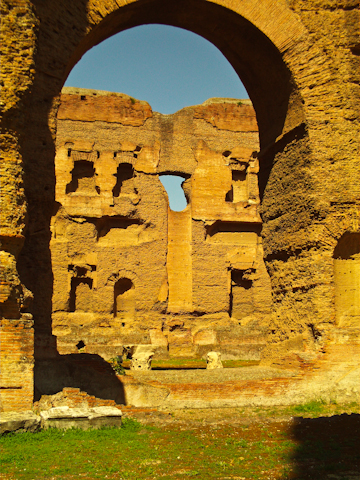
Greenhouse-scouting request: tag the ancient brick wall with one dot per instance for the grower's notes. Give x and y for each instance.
(129, 270)
(17, 361)
(299, 63)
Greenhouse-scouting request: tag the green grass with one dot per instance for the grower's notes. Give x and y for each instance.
(312, 407)
(273, 450)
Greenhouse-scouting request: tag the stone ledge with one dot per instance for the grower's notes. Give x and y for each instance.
(60, 417)
(19, 422)
(84, 418)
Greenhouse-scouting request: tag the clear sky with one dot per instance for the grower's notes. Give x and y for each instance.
(169, 67)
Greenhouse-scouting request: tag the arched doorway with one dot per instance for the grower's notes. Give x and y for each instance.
(264, 57)
(254, 56)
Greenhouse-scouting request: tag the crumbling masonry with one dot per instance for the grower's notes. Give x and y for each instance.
(127, 269)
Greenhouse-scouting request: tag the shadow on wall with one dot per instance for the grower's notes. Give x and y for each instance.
(89, 372)
(327, 447)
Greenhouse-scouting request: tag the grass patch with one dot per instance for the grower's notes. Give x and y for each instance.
(313, 407)
(308, 449)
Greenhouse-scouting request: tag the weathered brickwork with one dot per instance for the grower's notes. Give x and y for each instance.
(299, 62)
(17, 362)
(127, 269)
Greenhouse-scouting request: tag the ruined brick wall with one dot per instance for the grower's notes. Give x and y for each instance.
(16, 360)
(127, 269)
(299, 62)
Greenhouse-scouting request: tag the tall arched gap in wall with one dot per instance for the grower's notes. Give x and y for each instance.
(257, 61)
(275, 97)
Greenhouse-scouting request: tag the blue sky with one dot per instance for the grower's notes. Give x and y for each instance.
(169, 67)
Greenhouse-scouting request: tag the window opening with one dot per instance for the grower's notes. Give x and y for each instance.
(124, 180)
(83, 178)
(178, 191)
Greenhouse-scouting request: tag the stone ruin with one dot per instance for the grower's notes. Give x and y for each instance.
(73, 293)
(127, 269)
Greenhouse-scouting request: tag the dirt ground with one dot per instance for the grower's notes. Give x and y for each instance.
(326, 439)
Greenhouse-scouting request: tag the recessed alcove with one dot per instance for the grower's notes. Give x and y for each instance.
(347, 280)
(124, 180)
(83, 178)
(239, 191)
(124, 300)
(241, 296)
(80, 298)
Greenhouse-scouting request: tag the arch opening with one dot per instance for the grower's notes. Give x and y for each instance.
(254, 57)
(182, 68)
(177, 189)
(232, 184)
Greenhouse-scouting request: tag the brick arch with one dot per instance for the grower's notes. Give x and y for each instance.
(251, 43)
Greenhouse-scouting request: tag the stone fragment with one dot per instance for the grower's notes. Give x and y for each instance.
(141, 358)
(19, 422)
(84, 418)
(213, 360)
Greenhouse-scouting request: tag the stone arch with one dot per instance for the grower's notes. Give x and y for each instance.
(249, 39)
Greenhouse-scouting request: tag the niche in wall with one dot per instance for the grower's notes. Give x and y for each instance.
(239, 189)
(124, 299)
(124, 180)
(241, 295)
(347, 280)
(83, 178)
(81, 295)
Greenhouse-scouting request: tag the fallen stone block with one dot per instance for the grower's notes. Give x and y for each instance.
(19, 422)
(141, 358)
(84, 418)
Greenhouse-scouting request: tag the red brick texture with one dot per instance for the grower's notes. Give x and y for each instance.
(16, 365)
